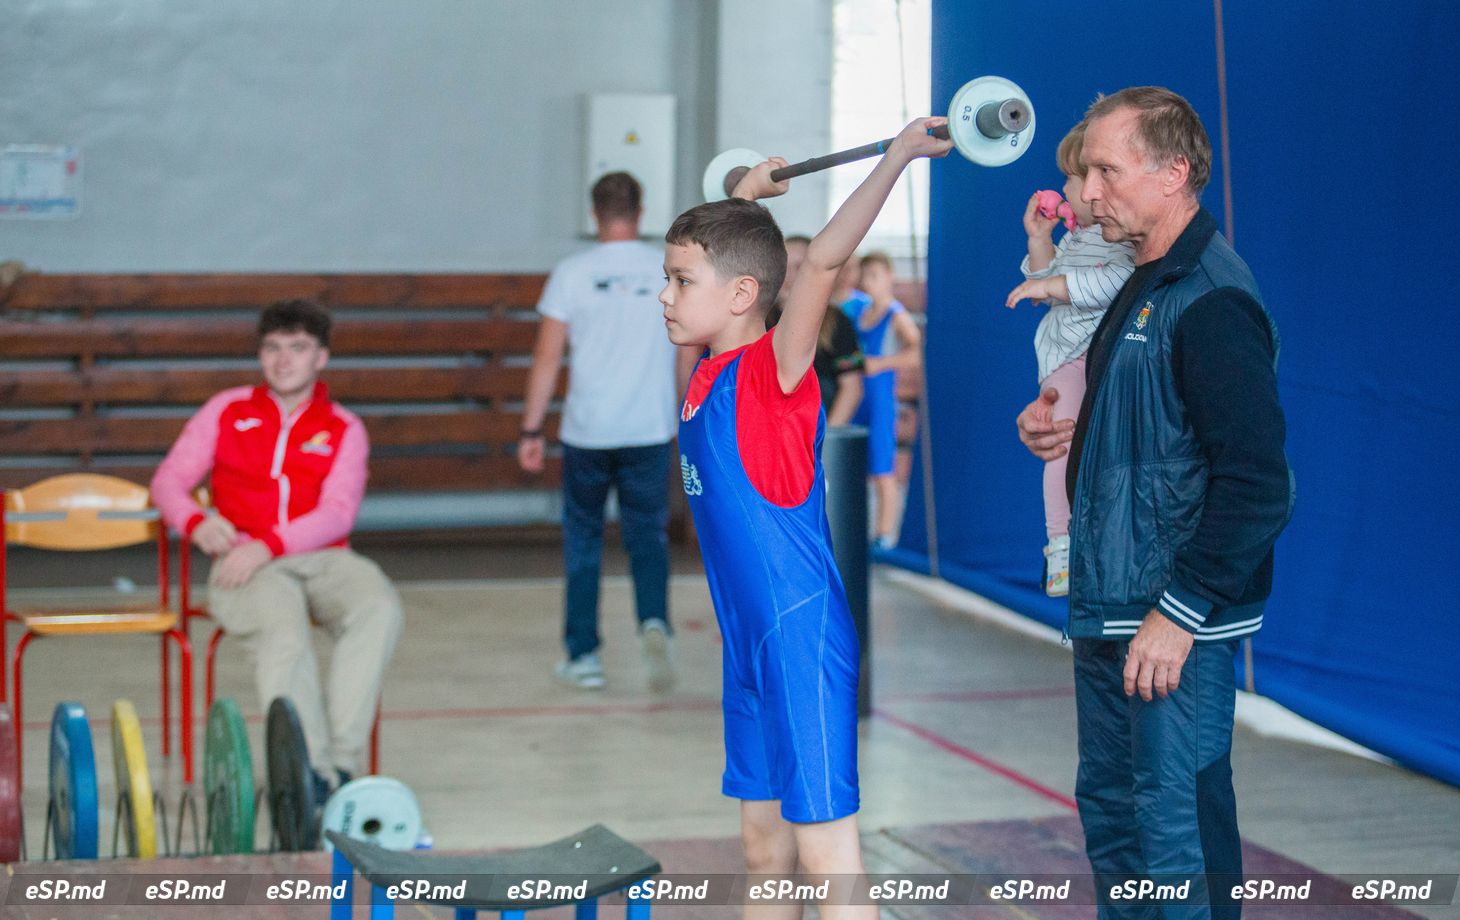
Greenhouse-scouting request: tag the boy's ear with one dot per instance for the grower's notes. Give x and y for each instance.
(744, 295)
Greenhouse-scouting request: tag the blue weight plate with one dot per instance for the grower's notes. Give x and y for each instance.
(291, 780)
(73, 784)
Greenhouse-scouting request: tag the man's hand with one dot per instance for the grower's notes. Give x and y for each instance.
(914, 141)
(757, 183)
(530, 453)
(1046, 437)
(235, 569)
(215, 535)
(1157, 652)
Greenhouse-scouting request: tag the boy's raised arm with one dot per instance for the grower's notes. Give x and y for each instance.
(806, 303)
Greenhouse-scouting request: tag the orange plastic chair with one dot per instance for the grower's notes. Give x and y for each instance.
(88, 512)
(192, 610)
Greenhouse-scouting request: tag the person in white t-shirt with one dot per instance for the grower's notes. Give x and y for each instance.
(620, 415)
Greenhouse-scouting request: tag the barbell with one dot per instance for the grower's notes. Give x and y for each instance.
(990, 120)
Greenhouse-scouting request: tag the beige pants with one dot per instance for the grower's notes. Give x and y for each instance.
(351, 599)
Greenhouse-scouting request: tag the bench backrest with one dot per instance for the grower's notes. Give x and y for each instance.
(99, 372)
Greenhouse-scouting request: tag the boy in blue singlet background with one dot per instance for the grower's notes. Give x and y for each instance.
(891, 341)
(750, 439)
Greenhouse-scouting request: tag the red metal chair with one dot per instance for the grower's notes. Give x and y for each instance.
(87, 512)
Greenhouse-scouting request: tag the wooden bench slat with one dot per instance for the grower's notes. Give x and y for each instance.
(253, 291)
(497, 472)
(143, 338)
(453, 474)
(146, 434)
(191, 387)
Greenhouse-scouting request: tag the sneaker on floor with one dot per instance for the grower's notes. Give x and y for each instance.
(883, 543)
(655, 637)
(1057, 567)
(322, 789)
(584, 672)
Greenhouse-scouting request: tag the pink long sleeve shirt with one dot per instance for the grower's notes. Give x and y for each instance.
(294, 483)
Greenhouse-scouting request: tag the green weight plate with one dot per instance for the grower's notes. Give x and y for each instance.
(228, 781)
(291, 780)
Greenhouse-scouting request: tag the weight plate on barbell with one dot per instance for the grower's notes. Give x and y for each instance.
(963, 122)
(720, 167)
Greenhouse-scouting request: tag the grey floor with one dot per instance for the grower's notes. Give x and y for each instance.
(972, 722)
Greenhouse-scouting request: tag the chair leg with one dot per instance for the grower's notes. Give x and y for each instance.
(381, 906)
(185, 701)
(341, 871)
(4, 623)
(210, 665)
(17, 710)
(375, 743)
(166, 700)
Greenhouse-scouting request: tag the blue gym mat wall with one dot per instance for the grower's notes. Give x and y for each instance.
(1343, 134)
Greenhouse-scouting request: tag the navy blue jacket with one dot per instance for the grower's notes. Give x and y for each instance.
(1181, 484)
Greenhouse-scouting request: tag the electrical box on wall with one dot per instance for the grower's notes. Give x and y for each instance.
(633, 133)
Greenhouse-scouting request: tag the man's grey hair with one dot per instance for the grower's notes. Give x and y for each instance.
(1167, 128)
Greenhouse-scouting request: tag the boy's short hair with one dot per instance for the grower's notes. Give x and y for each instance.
(296, 316)
(739, 237)
(1068, 154)
(877, 258)
(617, 196)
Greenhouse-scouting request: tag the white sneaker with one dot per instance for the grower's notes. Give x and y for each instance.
(584, 672)
(655, 637)
(1057, 567)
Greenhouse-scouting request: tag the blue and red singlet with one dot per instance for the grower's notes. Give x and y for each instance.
(751, 465)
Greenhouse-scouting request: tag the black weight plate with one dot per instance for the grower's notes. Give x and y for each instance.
(291, 780)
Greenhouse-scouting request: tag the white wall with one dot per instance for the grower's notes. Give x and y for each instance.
(375, 135)
(774, 94)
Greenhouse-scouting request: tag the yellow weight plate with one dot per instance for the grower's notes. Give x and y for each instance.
(129, 761)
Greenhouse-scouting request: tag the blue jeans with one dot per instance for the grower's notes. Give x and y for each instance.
(639, 474)
(1155, 781)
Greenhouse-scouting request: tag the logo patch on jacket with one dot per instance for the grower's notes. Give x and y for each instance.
(691, 477)
(247, 424)
(1142, 318)
(319, 444)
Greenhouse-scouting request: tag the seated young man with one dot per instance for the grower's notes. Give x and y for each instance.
(750, 439)
(288, 473)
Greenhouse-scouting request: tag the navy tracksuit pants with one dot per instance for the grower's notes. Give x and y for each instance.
(1155, 781)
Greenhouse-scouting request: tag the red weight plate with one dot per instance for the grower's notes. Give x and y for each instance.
(9, 789)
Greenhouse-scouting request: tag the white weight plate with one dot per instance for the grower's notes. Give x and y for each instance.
(376, 809)
(969, 140)
(720, 166)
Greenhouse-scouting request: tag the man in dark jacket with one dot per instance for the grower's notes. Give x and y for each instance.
(1179, 488)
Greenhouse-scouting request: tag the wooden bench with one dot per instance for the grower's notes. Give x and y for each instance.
(99, 372)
